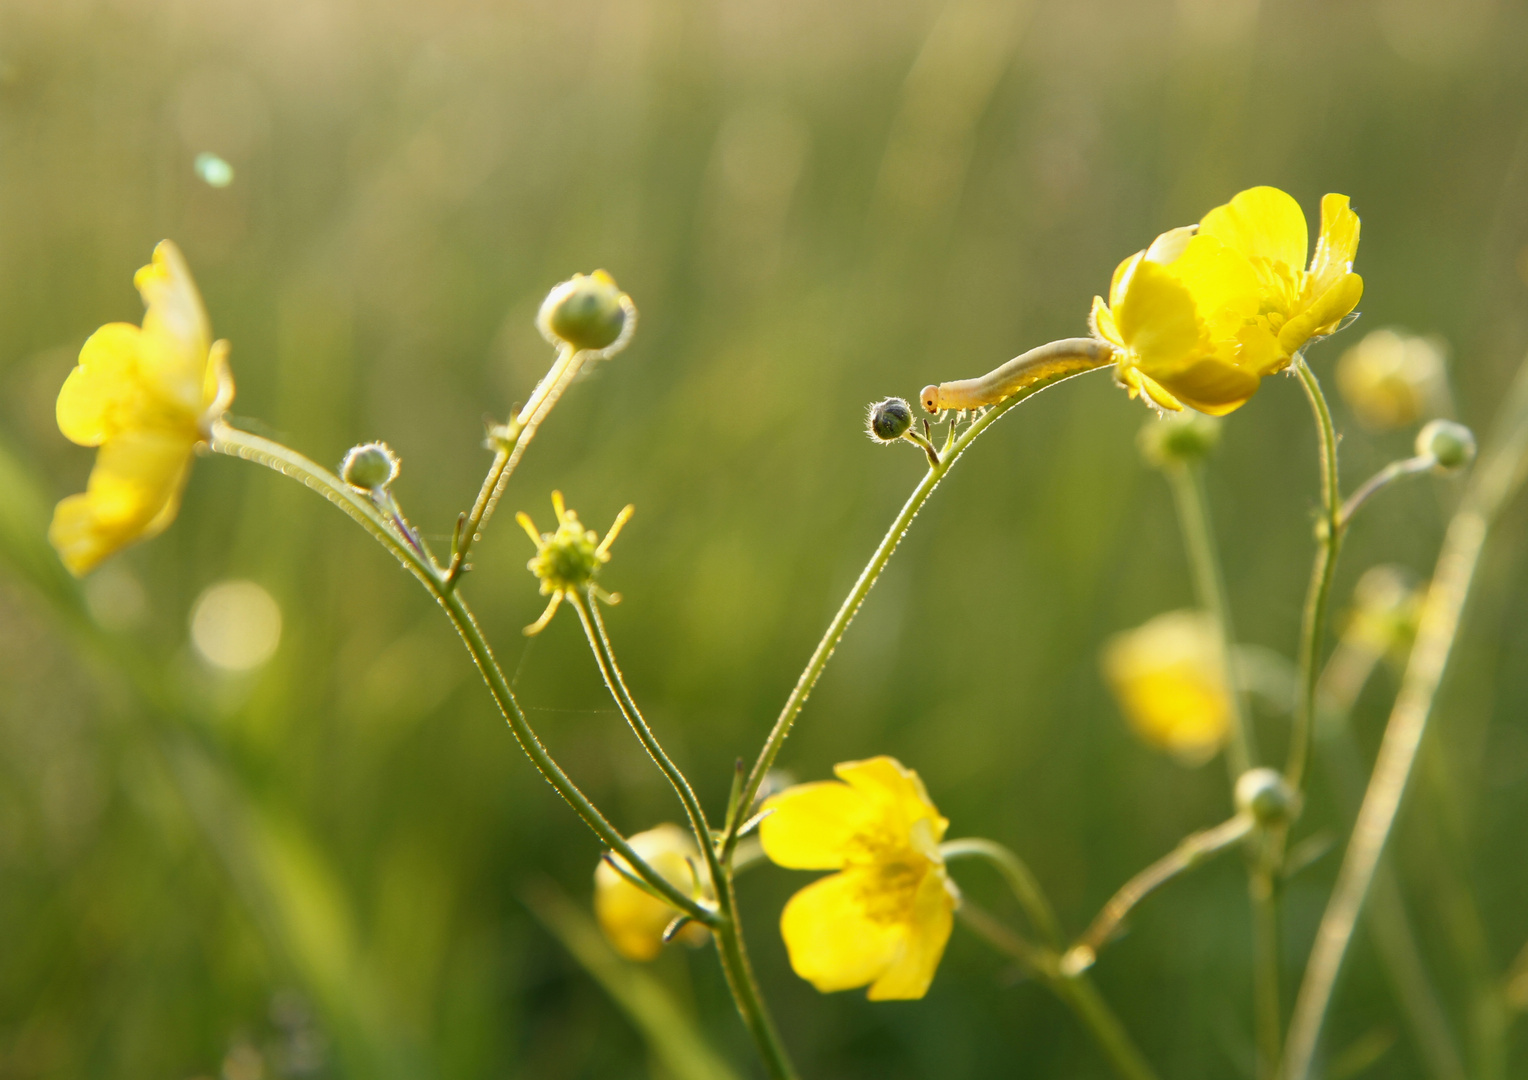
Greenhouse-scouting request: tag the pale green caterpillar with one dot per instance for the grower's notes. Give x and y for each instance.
(1069, 356)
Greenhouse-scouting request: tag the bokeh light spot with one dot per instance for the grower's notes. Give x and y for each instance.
(214, 171)
(235, 625)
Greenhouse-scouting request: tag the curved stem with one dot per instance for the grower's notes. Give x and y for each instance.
(1084, 348)
(1496, 477)
(241, 444)
(1318, 597)
(1384, 478)
(1025, 886)
(511, 444)
(731, 948)
(1187, 483)
(1189, 853)
(1076, 991)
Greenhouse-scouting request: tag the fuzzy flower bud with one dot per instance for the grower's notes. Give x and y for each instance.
(889, 419)
(587, 311)
(1266, 796)
(1178, 439)
(634, 921)
(1453, 445)
(369, 467)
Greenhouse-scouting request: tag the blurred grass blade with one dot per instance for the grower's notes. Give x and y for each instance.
(671, 1035)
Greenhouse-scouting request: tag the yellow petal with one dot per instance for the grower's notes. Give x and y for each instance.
(833, 942)
(896, 791)
(909, 975)
(102, 394)
(1156, 317)
(1323, 315)
(1121, 277)
(1336, 247)
(1221, 281)
(1211, 386)
(1156, 392)
(1170, 245)
(1101, 322)
(133, 494)
(1261, 222)
(175, 311)
(814, 826)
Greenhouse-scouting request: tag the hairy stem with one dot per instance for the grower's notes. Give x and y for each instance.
(1496, 477)
(241, 444)
(1082, 347)
(731, 948)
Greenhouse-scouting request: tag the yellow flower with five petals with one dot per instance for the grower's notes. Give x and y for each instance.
(883, 919)
(1200, 316)
(145, 396)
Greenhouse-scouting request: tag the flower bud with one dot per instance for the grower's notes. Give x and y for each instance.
(890, 419)
(1178, 439)
(1391, 380)
(369, 467)
(587, 311)
(1453, 445)
(1265, 796)
(634, 920)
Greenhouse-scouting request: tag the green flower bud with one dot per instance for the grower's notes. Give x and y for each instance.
(889, 419)
(1266, 796)
(369, 467)
(587, 311)
(1179, 439)
(1453, 445)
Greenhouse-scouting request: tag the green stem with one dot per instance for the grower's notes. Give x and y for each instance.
(522, 429)
(1025, 886)
(1077, 991)
(1210, 587)
(241, 444)
(1085, 348)
(1318, 598)
(1396, 470)
(1189, 853)
(1496, 477)
(728, 932)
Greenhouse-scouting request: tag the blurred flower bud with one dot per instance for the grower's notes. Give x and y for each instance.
(1387, 602)
(587, 311)
(634, 920)
(1391, 380)
(1169, 682)
(369, 467)
(1453, 445)
(1265, 796)
(890, 419)
(1178, 439)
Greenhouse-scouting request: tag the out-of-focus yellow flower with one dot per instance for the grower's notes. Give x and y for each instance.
(146, 396)
(884, 918)
(634, 920)
(568, 560)
(1169, 682)
(1391, 380)
(1206, 311)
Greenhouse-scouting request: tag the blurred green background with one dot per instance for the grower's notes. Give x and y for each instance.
(321, 867)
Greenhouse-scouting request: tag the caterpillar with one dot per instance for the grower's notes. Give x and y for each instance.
(1069, 356)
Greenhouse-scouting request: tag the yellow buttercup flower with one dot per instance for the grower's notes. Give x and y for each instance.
(146, 396)
(1168, 679)
(634, 920)
(1200, 316)
(884, 918)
